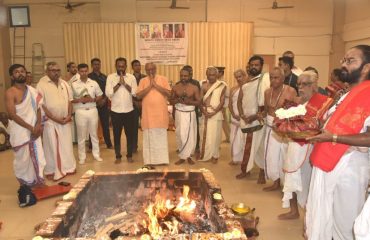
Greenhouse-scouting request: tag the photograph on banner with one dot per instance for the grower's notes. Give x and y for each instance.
(162, 43)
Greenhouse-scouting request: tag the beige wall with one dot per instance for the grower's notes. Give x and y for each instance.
(4, 55)
(306, 29)
(357, 23)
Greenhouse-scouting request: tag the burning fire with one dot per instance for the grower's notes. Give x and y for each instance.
(160, 211)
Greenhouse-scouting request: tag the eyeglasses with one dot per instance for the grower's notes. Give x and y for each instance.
(304, 84)
(348, 61)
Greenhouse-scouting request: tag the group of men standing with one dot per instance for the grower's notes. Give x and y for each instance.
(319, 172)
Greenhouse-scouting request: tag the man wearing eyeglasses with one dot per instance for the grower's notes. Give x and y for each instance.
(57, 135)
(340, 173)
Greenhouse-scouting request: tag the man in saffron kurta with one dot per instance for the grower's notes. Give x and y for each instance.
(57, 135)
(154, 91)
(23, 104)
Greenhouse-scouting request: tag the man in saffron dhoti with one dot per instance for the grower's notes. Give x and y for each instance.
(57, 135)
(296, 165)
(237, 137)
(213, 100)
(340, 173)
(154, 91)
(185, 96)
(23, 104)
(275, 145)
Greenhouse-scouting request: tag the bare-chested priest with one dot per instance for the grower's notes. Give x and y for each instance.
(213, 100)
(275, 146)
(185, 96)
(23, 104)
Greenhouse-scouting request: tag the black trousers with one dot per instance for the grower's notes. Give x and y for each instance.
(136, 127)
(126, 121)
(104, 121)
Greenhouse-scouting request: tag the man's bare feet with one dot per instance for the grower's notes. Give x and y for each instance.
(214, 160)
(261, 177)
(190, 161)
(242, 175)
(130, 160)
(232, 163)
(197, 155)
(180, 161)
(275, 186)
(289, 215)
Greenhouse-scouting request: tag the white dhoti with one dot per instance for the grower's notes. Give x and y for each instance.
(155, 146)
(336, 198)
(29, 160)
(186, 130)
(258, 149)
(57, 140)
(237, 139)
(362, 223)
(274, 153)
(211, 130)
(297, 169)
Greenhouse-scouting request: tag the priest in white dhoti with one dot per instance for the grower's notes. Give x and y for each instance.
(23, 104)
(296, 164)
(57, 135)
(213, 100)
(185, 96)
(250, 106)
(154, 91)
(340, 174)
(237, 138)
(275, 145)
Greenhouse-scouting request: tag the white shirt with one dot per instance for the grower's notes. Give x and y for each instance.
(81, 89)
(122, 98)
(56, 97)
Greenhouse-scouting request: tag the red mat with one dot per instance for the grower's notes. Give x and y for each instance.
(50, 191)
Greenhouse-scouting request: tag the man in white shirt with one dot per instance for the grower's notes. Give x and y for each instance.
(86, 93)
(120, 89)
(57, 134)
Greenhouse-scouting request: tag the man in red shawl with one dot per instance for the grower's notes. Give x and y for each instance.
(340, 172)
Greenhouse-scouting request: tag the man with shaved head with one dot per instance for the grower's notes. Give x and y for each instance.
(275, 146)
(185, 97)
(154, 91)
(213, 92)
(237, 137)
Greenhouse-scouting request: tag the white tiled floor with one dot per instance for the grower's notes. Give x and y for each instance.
(18, 223)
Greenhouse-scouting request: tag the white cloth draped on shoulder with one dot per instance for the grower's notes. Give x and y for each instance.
(155, 146)
(186, 130)
(211, 128)
(297, 171)
(29, 161)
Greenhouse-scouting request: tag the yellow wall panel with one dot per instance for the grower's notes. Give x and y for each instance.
(225, 44)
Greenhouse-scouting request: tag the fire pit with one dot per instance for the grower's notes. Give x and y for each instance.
(145, 204)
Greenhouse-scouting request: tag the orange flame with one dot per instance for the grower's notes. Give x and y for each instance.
(161, 208)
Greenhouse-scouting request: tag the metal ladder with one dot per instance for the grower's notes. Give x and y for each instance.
(38, 62)
(19, 45)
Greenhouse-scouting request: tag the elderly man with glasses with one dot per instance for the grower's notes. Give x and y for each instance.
(57, 135)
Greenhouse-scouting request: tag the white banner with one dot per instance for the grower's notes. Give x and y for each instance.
(162, 43)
